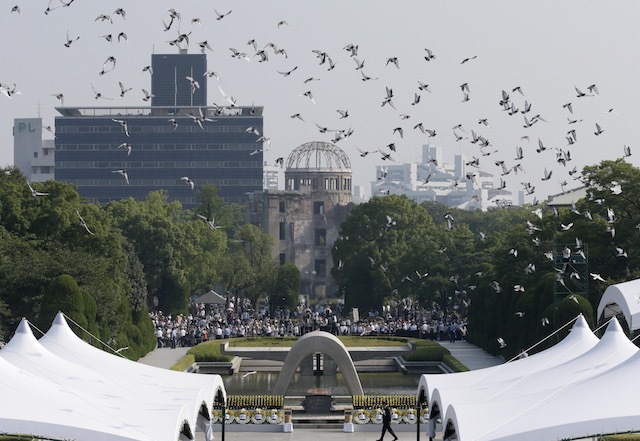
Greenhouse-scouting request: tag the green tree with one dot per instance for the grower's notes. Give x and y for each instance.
(384, 243)
(283, 292)
(248, 264)
(64, 294)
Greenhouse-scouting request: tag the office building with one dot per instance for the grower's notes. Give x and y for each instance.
(169, 83)
(34, 156)
(112, 153)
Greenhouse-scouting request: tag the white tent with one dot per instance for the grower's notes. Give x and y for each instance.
(25, 352)
(622, 298)
(564, 402)
(32, 405)
(579, 340)
(61, 341)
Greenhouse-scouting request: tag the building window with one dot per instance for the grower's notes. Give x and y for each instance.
(318, 207)
(321, 267)
(282, 258)
(282, 231)
(281, 206)
(321, 237)
(35, 154)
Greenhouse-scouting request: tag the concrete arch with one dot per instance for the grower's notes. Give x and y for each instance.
(319, 341)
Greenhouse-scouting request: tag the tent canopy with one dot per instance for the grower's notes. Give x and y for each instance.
(622, 298)
(62, 387)
(211, 298)
(574, 399)
(579, 340)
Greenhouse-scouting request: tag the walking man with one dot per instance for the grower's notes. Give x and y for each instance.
(386, 421)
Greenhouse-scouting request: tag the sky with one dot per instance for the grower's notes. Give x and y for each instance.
(546, 48)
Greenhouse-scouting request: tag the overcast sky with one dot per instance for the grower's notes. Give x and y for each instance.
(546, 47)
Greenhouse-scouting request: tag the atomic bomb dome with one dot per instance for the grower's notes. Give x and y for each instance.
(319, 167)
(304, 219)
(318, 155)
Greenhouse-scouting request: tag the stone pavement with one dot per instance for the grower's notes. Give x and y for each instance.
(470, 355)
(164, 357)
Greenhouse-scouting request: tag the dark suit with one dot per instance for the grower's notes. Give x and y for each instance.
(386, 423)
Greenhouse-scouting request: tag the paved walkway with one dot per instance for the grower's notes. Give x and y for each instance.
(164, 357)
(471, 356)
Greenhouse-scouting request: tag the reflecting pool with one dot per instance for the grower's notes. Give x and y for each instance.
(393, 383)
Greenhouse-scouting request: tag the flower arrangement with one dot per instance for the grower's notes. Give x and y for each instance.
(404, 409)
(243, 416)
(410, 417)
(424, 415)
(250, 409)
(274, 416)
(258, 416)
(376, 416)
(361, 416)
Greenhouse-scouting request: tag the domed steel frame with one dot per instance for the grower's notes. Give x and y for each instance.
(318, 155)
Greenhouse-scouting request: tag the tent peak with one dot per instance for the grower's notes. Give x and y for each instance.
(60, 320)
(614, 326)
(23, 327)
(581, 322)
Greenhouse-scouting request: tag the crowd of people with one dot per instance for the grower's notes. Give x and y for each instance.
(209, 322)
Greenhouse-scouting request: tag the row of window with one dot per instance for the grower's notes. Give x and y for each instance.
(249, 147)
(185, 126)
(160, 182)
(320, 265)
(335, 183)
(320, 235)
(158, 164)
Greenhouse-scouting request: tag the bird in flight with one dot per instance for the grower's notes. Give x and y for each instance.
(126, 146)
(188, 182)
(123, 124)
(70, 40)
(35, 193)
(122, 173)
(83, 223)
(221, 16)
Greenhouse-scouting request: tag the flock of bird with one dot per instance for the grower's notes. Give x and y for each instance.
(358, 65)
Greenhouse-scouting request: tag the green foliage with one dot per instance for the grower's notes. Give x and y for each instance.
(376, 256)
(208, 351)
(454, 363)
(63, 294)
(283, 292)
(183, 363)
(248, 267)
(428, 353)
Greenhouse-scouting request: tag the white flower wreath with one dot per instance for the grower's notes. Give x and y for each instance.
(409, 417)
(275, 416)
(258, 416)
(396, 416)
(230, 417)
(361, 417)
(216, 415)
(376, 416)
(243, 416)
(424, 415)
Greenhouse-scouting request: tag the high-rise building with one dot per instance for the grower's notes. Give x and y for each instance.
(170, 85)
(34, 156)
(111, 153)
